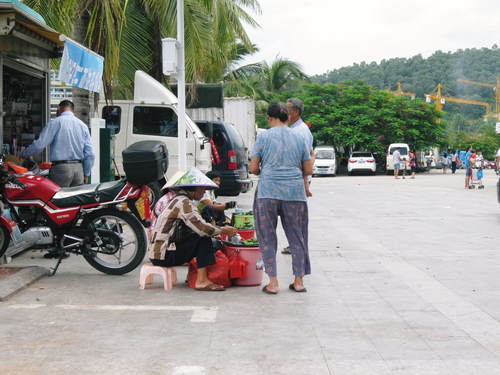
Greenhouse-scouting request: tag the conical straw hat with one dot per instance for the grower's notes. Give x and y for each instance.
(192, 178)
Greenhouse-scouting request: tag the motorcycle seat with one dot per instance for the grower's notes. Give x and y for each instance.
(88, 194)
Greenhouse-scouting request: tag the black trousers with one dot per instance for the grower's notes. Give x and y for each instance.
(453, 166)
(201, 248)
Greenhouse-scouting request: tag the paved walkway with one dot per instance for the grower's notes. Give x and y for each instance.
(405, 281)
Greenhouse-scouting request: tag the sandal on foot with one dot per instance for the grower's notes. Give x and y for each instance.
(267, 291)
(286, 250)
(211, 288)
(292, 287)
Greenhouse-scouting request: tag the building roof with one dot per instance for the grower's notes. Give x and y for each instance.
(25, 9)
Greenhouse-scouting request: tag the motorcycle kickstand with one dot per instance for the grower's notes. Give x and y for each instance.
(61, 257)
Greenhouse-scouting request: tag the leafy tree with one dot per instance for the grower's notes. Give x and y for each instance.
(356, 116)
(262, 81)
(421, 75)
(128, 34)
(485, 140)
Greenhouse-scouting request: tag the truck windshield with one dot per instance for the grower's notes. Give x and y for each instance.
(324, 154)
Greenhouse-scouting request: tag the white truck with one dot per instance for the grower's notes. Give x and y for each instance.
(152, 115)
(237, 111)
(404, 150)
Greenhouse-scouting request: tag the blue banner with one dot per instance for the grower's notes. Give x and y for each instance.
(81, 68)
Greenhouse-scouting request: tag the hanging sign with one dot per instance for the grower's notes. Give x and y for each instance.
(81, 67)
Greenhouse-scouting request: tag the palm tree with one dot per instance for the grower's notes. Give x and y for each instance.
(263, 80)
(128, 34)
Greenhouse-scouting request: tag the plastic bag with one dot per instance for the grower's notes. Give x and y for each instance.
(217, 273)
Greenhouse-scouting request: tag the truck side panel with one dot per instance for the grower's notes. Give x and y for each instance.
(241, 113)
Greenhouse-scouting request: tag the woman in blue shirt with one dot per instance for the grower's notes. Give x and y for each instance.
(281, 159)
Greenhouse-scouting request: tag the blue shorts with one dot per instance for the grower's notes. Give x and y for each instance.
(397, 166)
(468, 172)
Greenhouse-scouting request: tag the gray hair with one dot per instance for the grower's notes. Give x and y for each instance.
(297, 104)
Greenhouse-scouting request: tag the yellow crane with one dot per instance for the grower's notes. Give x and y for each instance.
(496, 88)
(400, 91)
(441, 100)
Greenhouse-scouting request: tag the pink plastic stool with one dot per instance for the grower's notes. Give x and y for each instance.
(169, 275)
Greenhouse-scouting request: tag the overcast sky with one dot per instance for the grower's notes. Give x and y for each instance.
(323, 35)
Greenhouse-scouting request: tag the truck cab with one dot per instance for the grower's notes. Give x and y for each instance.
(152, 115)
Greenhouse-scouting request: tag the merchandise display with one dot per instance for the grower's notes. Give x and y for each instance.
(24, 108)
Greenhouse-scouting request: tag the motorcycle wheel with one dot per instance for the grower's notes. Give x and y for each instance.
(125, 244)
(4, 240)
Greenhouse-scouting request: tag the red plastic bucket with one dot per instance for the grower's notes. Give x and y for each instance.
(255, 266)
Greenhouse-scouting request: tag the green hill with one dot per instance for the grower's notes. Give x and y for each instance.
(421, 75)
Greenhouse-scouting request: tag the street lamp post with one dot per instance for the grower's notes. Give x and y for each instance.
(181, 87)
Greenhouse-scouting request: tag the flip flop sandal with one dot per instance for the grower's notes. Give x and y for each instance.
(267, 291)
(292, 287)
(211, 288)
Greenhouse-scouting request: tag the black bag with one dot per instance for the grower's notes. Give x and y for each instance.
(181, 231)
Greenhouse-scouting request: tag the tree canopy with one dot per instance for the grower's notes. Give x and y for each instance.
(357, 116)
(421, 75)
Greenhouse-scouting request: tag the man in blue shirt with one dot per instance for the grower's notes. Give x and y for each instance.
(70, 148)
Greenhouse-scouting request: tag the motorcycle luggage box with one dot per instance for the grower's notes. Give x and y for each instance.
(145, 162)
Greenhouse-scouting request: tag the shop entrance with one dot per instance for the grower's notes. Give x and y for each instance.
(24, 107)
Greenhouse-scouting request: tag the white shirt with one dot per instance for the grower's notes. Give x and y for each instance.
(396, 157)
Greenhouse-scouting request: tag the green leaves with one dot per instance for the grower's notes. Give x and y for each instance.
(128, 34)
(359, 117)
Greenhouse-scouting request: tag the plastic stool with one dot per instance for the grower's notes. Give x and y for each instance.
(169, 275)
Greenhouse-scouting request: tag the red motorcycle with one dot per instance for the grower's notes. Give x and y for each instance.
(100, 221)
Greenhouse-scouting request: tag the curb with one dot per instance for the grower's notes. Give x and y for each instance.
(21, 280)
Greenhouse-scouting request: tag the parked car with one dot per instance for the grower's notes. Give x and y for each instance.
(325, 161)
(229, 157)
(361, 162)
(489, 164)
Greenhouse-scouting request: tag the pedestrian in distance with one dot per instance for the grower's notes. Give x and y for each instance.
(281, 158)
(295, 109)
(444, 162)
(413, 163)
(71, 151)
(470, 159)
(396, 159)
(455, 160)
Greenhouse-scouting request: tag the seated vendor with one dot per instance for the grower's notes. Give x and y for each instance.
(180, 233)
(210, 210)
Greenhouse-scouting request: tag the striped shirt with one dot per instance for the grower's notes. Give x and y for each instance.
(180, 207)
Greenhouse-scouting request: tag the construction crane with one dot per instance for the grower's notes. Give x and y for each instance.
(400, 92)
(441, 100)
(496, 88)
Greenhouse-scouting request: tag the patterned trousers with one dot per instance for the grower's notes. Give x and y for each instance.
(294, 219)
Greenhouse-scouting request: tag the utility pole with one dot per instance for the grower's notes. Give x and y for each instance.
(181, 87)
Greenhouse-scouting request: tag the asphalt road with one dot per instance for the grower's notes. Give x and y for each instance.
(405, 281)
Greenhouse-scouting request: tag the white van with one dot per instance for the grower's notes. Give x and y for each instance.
(152, 115)
(404, 149)
(325, 161)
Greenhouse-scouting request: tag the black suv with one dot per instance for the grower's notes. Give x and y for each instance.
(229, 157)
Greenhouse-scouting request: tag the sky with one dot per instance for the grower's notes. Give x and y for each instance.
(323, 35)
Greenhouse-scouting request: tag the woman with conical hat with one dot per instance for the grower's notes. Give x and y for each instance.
(180, 233)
